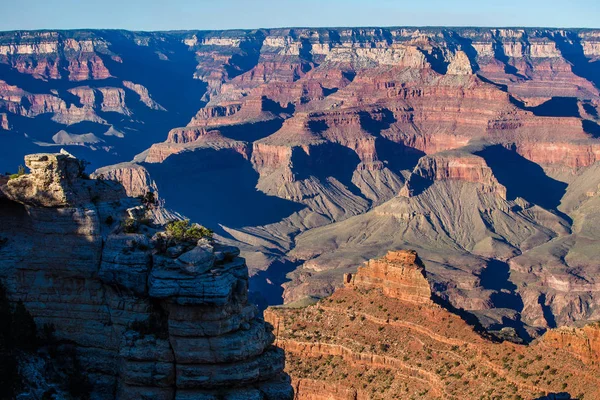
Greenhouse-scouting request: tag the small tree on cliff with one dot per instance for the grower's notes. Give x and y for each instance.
(20, 172)
(183, 231)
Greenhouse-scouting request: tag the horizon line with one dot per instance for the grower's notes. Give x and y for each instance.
(301, 27)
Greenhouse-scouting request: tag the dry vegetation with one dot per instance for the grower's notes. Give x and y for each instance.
(366, 345)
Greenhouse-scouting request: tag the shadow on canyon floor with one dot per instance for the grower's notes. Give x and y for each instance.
(572, 50)
(396, 156)
(547, 311)
(496, 276)
(555, 107)
(217, 188)
(523, 178)
(266, 289)
(329, 160)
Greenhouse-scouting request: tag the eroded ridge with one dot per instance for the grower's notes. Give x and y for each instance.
(382, 336)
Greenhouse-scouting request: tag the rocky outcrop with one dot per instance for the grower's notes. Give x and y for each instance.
(400, 275)
(459, 165)
(211, 141)
(145, 97)
(383, 335)
(111, 99)
(55, 180)
(148, 314)
(134, 178)
(583, 342)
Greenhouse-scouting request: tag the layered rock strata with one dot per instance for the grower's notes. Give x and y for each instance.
(148, 316)
(383, 335)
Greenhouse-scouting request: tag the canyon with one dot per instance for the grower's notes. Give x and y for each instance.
(313, 150)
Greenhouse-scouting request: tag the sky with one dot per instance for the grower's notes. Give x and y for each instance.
(151, 15)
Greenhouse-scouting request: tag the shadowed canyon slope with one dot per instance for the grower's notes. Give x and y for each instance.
(315, 149)
(124, 310)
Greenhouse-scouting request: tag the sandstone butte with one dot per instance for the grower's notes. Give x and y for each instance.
(144, 316)
(384, 335)
(477, 147)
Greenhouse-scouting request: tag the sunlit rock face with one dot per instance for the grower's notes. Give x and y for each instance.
(389, 331)
(147, 317)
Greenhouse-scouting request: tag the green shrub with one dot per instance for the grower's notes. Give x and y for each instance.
(20, 172)
(129, 225)
(185, 232)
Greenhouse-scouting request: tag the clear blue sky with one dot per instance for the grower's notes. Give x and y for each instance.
(229, 14)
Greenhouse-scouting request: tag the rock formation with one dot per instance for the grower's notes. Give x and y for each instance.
(144, 95)
(399, 275)
(583, 342)
(384, 335)
(148, 314)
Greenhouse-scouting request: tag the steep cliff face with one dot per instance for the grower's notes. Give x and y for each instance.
(454, 165)
(148, 314)
(399, 275)
(583, 342)
(383, 335)
(135, 179)
(40, 54)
